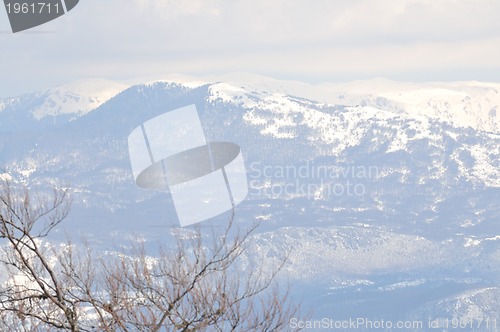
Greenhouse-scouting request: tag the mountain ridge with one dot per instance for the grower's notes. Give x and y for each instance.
(466, 104)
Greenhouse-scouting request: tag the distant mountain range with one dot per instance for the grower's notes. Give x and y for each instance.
(465, 104)
(387, 192)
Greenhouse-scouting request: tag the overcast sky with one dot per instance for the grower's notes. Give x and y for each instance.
(306, 40)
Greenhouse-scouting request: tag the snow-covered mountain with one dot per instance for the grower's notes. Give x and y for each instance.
(62, 103)
(383, 191)
(464, 104)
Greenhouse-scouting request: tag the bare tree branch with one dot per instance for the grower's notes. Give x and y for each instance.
(204, 283)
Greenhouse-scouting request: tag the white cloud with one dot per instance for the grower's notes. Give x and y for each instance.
(301, 39)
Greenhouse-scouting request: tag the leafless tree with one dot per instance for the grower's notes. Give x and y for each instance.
(197, 287)
(36, 290)
(203, 283)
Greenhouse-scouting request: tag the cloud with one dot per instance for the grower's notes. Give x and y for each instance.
(311, 40)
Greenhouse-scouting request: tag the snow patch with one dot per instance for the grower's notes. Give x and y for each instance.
(77, 98)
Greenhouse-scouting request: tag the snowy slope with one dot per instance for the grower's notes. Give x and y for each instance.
(77, 98)
(64, 102)
(466, 104)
